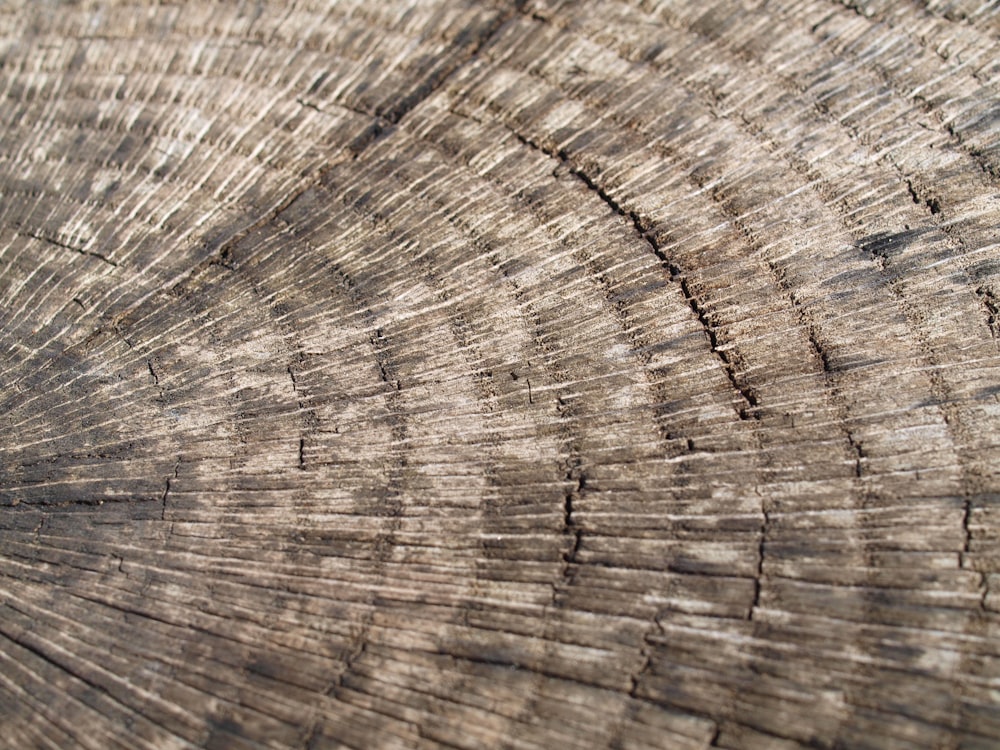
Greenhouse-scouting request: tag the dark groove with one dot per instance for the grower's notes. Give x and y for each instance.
(381, 124)
(616, 301)
(305, 103)
(378, 347)
(747, 393)
(859, 454)
(821, 354)
(636, 678)
(166, 491)
(390, 499)
(829, 369)
(966, 513)
(64, 246)
(760, 564)
(385, 120)
(992, 305)
(714, 740)
(302, 408)
(569, 521)
(932, 204)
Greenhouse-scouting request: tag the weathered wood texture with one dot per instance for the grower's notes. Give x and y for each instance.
(527, 375)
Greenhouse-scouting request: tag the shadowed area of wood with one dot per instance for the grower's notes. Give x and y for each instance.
(500, 374)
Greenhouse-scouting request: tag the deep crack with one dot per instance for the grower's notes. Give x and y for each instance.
(569, 521)
(166, 490)
(992, 305)
(761, 550)
(65, 246)
(746, 392)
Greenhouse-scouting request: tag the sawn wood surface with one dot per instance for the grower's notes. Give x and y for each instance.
(497, 374)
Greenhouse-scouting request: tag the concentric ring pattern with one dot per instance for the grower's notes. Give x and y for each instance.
(492, 374)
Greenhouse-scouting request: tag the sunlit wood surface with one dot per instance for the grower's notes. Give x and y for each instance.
(500, 375)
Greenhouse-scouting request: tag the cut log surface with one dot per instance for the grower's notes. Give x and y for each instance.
(500, 374)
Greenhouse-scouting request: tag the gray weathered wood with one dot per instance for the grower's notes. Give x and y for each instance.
(528, 375)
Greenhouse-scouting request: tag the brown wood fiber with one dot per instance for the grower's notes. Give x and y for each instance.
(500, 374)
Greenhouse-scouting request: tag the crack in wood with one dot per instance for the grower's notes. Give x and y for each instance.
(978, 155)
(308, 104)
(830, 370)
(302, 409)
(966, 513)
(964, 559)
(758, 578)
(65, 246)
(570, 529)
(527, 381)
(932, 204)
(990, 301)
(646, 653)
(378, 344)
(817, 347)
(385, 121)
(36, 532)
(859, 453)
(166, 490)
(736, 672)
(121, 334)
(636, 679)
(713, 741)
(747, 393)
(473, 43)
(569, 522)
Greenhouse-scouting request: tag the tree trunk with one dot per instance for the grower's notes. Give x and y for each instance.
(504, 374)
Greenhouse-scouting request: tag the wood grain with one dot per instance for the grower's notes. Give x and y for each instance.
(500, 374)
